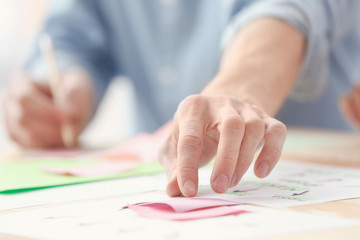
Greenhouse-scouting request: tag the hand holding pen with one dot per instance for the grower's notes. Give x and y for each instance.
(49, 112)
(56, 87)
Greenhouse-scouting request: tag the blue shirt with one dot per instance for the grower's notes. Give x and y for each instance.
(170, 49)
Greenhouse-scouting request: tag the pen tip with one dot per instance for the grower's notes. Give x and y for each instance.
(68, 136)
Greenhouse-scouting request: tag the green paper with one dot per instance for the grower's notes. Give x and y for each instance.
(28, 174)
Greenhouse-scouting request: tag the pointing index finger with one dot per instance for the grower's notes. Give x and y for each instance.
(190, 143)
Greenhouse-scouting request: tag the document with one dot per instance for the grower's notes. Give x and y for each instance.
(291, 184)
(93, 190)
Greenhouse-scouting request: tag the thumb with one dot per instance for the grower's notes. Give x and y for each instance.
(172, 188)
(167, 157)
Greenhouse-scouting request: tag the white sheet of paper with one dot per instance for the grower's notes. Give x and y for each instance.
(117, 187)
(105, 219)
(291, 184)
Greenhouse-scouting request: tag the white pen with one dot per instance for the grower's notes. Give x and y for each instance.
(48, 53)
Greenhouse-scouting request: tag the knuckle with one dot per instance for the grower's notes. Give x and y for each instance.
(279, 128)
(255, 127)
(228, 160)
(187, 171)
(190, 142)
(192, 102)
(234, 122)
(274, 153)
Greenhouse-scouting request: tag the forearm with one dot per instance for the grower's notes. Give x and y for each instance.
(261, 64)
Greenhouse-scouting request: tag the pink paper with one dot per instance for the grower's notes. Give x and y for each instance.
(180, 204)
(143, 147)
(181, 209)
(166, 214)
(66, 153)
(98, 169)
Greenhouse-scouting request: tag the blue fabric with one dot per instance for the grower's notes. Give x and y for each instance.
(170, 49)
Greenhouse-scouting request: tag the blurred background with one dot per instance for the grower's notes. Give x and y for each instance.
(20, 21)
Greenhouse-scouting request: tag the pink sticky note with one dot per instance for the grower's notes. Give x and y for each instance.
(57, 153)
(98, 169)
(180, 204)
(143, 147)
(180, 209)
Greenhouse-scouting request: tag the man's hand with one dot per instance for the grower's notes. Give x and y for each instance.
(226, 126)
(232, 116)
(32, 118)
(350, 106)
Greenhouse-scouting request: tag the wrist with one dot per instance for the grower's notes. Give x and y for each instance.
(237, 86)
(261, 64)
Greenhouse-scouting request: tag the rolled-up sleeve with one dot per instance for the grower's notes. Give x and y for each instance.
(321, 22)
(79, 35)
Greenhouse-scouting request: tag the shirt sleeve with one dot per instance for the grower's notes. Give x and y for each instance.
(79, 34)
(321, 22)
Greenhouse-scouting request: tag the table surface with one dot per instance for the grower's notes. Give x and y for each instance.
(309, 145)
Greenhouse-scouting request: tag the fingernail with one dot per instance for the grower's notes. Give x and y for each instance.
(221, 183)
(234, 179)
(263, 169)
(190, 188)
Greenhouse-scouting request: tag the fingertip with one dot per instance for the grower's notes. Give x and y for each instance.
(187, 178)
(262, 170)
(220, 183)
(189, 188)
